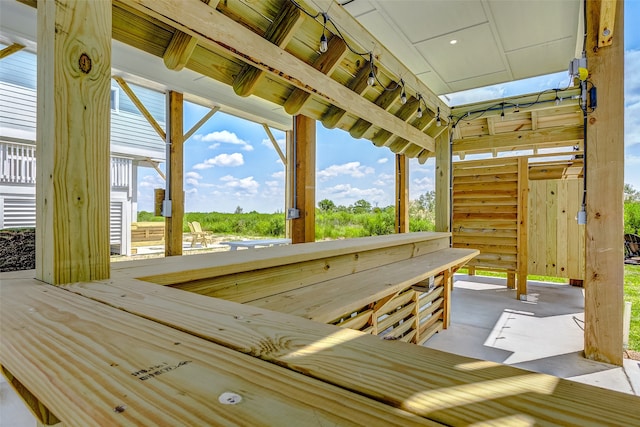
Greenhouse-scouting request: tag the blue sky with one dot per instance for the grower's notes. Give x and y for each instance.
(230, 162)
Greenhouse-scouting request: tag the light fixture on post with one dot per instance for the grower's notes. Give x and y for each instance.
(403, 95)
(372, 77)
(438, 121)
(323, 38)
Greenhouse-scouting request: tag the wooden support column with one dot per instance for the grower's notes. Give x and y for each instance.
(605, 166)
(289, 190)
(175, 185)
(72, 190)
(304, 146)
(523, 226)
(402, 193)
(443, 183)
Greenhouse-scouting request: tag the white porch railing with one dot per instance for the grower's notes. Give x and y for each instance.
(18, 166)
(17, 163)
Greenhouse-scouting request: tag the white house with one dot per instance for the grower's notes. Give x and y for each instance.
(134, 143)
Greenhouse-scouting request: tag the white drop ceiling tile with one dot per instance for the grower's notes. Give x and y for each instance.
(434, 82)
(542, 59)
(357, 8)
(479, 81)
(423, 20)
(392, 39)
(474, 54)
(545, 21)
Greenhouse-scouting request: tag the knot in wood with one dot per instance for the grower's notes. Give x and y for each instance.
(84, 63)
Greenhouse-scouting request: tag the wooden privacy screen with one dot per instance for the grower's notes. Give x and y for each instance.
(556, 245)
(489, 213)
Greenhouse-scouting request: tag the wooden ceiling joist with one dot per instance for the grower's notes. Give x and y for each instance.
(387, 98)
(11, 49)
(332, 117)
(326, 64)
(220, 33)
(280, 32)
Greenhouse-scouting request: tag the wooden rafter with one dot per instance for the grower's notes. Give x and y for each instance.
(220, 33)
(387, 98)
(140, 106)
(9, 50)
(325, 63)
(405, 113)
(280, 32)
(358, 85)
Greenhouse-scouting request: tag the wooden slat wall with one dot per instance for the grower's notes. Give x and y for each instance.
(485, 211)
(556, 241)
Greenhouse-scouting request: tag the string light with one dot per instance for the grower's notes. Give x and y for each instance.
(323, 38)
(438, 121)
(372, 77)
(403, 95)
(502, 113)
(557, 100)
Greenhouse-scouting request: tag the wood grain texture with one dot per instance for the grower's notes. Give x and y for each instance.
(91, 364)
(443, 183)
(72, 185)
(303, 229)
(605, 179)
(451, 389)
(173, 239)
(402, 194)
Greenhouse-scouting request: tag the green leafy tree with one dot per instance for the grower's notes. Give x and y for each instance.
(238, 210)
(326, 205)
(361, 206)
(631, 194)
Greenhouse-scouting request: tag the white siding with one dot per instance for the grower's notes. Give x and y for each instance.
(17, 110)
(18, 212)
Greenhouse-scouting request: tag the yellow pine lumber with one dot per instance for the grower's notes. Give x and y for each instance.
(357, 321)
(395, 317)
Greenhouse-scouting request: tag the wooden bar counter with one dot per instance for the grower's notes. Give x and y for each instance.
(127, 351)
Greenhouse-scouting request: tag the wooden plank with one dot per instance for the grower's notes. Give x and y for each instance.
(358, 85)
(326, 301)
(280, 32)
(173, 224)
(357, 322)
(40, 411)
(511, 279)
(395, 317)
(431, 331)
(523, 229)
(402, 194)
(220, 33)
(389, 96)
(140, 106)
(72, 185)
(562, 232)
(606, 23)
(326, 63)
(552, 226)
(604, 278)
(360, 362)
(510, 140)
(303, 229)
(10, 50)
(395, 302)
(127, 370)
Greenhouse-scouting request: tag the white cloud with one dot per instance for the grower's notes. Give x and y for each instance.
(193, 175)
(353, 169)
(241, 186)
(383, 160)
(191, 191)
(224, 137)
(278, 175)
(421, 185)
(222, 160)
(632, 99)
(152, 181)
(347, 191)
(281, 142)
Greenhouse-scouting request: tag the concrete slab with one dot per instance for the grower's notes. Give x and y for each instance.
(545, 333)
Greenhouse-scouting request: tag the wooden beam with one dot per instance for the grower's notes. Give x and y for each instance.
(563, 169)
(387, 98)
(512, 140)
(523, 226)
(143, 110)
(534, 120)
(72, 185)
(606, 22)
(155, 166)
(326, 63)
(220, 33)
(175, 186)
(280, 32)
(605, 178)
(202, 121)
(443, 183)
(304, 134)
(404, 113)
(274, 143)
(9, 50)
(289, 174)
(402, 193)
(43, 415)
(358, 85)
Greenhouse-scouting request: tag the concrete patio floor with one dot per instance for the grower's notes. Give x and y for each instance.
(542, 334)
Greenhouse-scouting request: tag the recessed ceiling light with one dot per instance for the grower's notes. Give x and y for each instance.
(454, 41)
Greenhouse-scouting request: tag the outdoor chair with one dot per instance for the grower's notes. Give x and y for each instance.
(631, 248)
(198, 234)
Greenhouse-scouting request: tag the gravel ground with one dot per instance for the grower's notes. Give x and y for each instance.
(17, 249)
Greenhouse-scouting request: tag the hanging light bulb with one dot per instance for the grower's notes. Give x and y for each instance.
(419, 112)
(403, 95)
(502, 113)
(323, 43)
(438, 122)
(372, 77)
(557, 99)
(323, 38)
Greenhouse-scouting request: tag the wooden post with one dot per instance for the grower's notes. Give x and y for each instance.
(604, 148)
(72, 190)
(304, 135)
(402, 193)
(443, 182)
(523, 226)
(175, 132)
